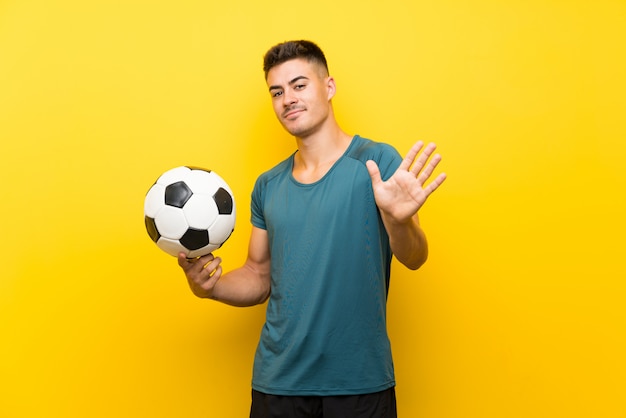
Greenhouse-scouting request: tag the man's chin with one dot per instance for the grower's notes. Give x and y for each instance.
(295, 130)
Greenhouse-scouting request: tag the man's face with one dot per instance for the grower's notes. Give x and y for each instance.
(301, 92)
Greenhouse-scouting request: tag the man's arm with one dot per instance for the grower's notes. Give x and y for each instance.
(400, 198)
(247, 285)
(408, 241)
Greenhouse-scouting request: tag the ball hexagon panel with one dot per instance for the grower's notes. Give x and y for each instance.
(171, 222)
(221, 231)
(154, 200)
(203, 181)
(171, 246)
(173, 175)
(203, 251)
(200, 211)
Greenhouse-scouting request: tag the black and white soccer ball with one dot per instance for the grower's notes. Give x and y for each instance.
(190, 210)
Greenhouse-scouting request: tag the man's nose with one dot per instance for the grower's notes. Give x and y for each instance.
(289, 98)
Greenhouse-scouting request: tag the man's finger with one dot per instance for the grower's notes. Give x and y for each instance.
(428, 170)
(372, 168)
(423, 158)
(435, 183)
(410, 156)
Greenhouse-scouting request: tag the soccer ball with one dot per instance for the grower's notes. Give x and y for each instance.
(190, 210)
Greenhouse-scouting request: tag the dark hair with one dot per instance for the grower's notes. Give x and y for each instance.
(291, 50)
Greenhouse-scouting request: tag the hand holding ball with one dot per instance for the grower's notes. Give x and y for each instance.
(190, 210)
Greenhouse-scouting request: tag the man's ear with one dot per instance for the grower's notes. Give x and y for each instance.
(332, 87)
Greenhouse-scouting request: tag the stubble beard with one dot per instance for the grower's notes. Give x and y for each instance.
(302, 129)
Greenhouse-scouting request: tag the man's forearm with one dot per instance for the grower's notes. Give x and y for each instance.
(408, 242)
(242, 287)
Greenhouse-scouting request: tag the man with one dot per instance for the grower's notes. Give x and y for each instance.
(326, 222)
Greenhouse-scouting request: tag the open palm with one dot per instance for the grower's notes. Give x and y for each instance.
(404, 193)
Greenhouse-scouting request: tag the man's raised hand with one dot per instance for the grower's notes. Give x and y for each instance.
(404, 193)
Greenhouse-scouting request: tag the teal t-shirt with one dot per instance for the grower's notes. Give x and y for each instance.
(325, 331)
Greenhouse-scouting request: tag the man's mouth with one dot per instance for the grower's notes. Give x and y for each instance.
(292, 112)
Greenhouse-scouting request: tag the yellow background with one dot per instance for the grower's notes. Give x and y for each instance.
(519, 311)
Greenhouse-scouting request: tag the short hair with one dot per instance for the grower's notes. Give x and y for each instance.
(289, 50)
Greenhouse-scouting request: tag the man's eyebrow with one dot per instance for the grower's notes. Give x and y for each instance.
(300, 77)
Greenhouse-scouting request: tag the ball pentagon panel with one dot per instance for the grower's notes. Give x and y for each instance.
(177, 194)
(223, 201)
(194, 239)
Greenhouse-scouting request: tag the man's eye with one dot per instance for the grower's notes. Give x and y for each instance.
(277, 93)
(300, 86)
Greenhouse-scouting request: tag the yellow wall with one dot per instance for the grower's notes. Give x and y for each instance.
(520, 310)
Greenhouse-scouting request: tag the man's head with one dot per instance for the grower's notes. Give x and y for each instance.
(300, 87)
(286, 51)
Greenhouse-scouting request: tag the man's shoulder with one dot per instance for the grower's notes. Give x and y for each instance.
(364, 149)
(276, 171)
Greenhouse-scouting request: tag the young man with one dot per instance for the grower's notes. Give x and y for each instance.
(326, 223)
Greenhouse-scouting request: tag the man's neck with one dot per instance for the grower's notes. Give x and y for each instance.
(317, 154)
(322, 147)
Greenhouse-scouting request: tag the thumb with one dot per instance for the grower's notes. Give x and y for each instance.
(372, 168)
